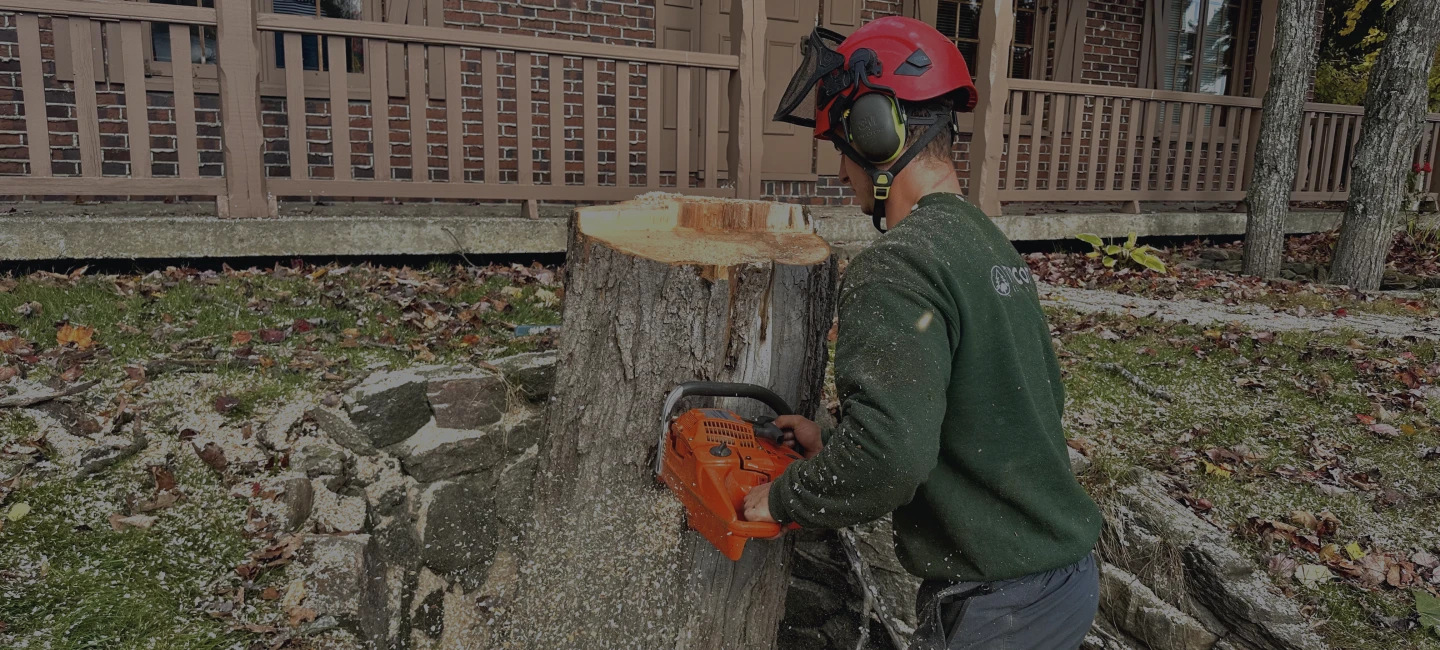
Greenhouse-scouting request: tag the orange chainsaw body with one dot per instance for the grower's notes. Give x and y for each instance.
(712, 459)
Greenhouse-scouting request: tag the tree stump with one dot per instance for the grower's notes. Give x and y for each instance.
(662, 290)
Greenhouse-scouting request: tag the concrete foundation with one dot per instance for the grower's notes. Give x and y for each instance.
(40, 231)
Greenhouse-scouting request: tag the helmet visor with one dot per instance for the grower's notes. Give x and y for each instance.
(818, 59)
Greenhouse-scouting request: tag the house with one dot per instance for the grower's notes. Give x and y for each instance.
(1088, 106)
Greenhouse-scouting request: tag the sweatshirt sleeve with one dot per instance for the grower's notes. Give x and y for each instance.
(892, 367)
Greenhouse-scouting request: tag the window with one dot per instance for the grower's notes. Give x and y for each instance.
(315, 51)
(1200, 45)
(202, 39)
(959, 20)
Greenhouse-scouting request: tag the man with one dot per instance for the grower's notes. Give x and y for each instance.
(951, 393)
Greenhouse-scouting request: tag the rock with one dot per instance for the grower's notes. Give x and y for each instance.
(346, 580)
(524, 432)
(897, 588)
(112, 450)
(457, 523)
(429, 616)
(1134, 608)
(1079, 463)
(319, 459)
(336, 424)
(1216, 254)
(299, 500)
(533, 373)
(1289, 275)
(512, 489)
(1303, 269)
(436, 453)
(336, 513)
(467, 400)
(1104, 636)
(1230, 265)
(1192, 565)
(810, 604)
(389, 406)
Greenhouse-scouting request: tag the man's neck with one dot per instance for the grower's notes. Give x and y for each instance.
(915, 182)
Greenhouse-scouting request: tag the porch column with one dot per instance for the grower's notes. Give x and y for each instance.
(997, 29)
(747, 97)
(238, 59)
(1264, 48)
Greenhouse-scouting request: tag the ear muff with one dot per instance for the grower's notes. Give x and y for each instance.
(875, 127)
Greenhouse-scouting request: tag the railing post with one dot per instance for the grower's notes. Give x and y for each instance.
(747, 95)
(997, 28)
(238, 45)
(1264, 47)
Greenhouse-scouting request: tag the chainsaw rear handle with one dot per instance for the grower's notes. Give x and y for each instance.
(714, 389)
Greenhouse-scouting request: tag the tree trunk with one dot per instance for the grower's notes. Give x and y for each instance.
(1395, 106)
(660, 291)
(1268, 201)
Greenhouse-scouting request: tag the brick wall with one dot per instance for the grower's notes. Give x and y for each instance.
(64, 136)
(1113, 31)
(616, 22)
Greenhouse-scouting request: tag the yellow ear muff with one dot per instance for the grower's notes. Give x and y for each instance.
(875, 127)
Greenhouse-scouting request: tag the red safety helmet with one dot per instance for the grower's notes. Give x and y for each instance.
(900, 57)
(853, 92)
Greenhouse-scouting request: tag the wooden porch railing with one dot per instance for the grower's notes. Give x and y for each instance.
(1079, 142)
(473, 115)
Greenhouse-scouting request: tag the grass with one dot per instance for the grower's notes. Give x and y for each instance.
(1311, 390)
(70, 582)
(67, 580)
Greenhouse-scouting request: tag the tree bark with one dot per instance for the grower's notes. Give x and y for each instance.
(708, 289)
(1395, 106)
(1268, 202)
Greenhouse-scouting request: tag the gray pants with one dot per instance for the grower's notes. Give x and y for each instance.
(1043, 611)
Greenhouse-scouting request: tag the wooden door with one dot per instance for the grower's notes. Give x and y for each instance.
(704, 26)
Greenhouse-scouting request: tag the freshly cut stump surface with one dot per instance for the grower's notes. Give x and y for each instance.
(662, 290)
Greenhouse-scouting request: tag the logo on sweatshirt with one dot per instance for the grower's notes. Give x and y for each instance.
(1006, 278)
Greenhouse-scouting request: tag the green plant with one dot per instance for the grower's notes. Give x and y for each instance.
(1109, 254)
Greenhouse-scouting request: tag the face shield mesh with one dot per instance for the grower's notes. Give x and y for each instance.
(819, 58)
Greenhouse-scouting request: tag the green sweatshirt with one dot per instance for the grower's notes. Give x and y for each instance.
(951, 402)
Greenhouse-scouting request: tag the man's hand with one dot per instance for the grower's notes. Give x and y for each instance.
(757, 504)
(802, 432)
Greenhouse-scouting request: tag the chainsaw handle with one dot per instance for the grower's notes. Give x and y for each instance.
(722, 389)
(714, 389)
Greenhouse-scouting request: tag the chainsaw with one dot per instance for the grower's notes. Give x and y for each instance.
(711, 458)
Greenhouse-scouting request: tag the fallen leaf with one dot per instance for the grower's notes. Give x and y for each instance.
(1364, 419)
(1373, 568)
(188, 434)
(18, 511)
(213, 456)
(301, 325)
(1306, 519)
(226, 403)
(1385, 430)
(1329, 523)
(135, 373)
(270, 593)
(1353, 550)
(120, 524)
(1212, 468)
(272, 336)
(72, 374)
(164, 480)
(1408, 429)
(7, 373)
(1329, 553)
(240, 338)
(81, 336)
(28, 309)
(164, 500)
(1313, 575)
(1281, 564)
(300, 615)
